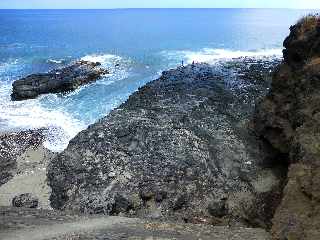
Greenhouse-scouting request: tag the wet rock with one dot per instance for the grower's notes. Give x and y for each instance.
(185, 134)
(25, 200)
(288, 119)
(56, 81)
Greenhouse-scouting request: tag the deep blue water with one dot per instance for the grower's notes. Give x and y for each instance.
(143, 41)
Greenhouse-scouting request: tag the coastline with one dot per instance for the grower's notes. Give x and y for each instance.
(23, 166)
(177, 92)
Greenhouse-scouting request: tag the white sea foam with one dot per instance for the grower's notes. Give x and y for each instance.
(49, 111)
(107, 60)
(31, 114)
(209, 55)
(119, 67)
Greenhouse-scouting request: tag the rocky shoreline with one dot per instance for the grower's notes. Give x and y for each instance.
(233, 144)
(179, 149)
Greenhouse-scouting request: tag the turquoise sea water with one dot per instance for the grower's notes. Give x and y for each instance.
(143, 41)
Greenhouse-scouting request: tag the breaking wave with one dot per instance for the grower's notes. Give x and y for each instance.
(212, 56)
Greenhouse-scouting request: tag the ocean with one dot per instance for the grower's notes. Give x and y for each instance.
(144, 42)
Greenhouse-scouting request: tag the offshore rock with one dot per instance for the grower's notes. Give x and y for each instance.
(180, 148)
(58, 80)
(289, 119)
(12, 146)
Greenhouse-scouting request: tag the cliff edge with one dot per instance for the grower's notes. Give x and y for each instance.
(289, 119)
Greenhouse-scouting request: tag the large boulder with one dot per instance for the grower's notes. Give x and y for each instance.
(289, 119)
(58, 80)
(25, 200)
(179, 148)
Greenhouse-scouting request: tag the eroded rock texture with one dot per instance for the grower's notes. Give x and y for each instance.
(289, 119)
(20, 223)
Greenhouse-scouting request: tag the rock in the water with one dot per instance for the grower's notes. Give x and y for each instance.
(289, 119)
(217, 208)
(176, 146)
(56, 81)
(25, 200)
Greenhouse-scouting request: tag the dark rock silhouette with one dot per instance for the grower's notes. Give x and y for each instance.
(56, 81)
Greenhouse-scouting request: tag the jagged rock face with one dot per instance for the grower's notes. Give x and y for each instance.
(25, 200)
(289, 119)
(13, 145)
(56, 81)
(22, 223)
(179, 148)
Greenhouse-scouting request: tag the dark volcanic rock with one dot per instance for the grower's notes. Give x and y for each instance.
(25, 200)
(12, 145)
(176, 147)
(288, 118)
(56, 81)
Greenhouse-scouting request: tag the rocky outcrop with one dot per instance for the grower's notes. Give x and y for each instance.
(178, 149)
(26, 200)
(20, 223)
(289, 119)
(56, 81)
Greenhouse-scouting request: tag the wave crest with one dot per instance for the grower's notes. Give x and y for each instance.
(208, 55)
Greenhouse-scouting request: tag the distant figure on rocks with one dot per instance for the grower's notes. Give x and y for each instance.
(182, 63)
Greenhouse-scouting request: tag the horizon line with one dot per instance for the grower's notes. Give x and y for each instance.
(146, 8)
